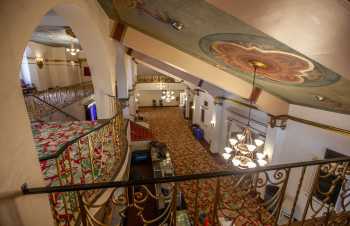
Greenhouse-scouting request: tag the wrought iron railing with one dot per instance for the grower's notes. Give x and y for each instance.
(154, 79)
(42, 104)
(93, 157)
(40, 110)
(306, 193)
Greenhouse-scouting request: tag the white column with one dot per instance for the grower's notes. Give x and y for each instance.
(122, 82)
(197, 109)
(188, 106)
(217, 142)
(274, 144)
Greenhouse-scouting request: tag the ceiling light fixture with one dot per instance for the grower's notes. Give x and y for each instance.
(177, 25)
(319, 98)
(244, 150)
(168, 95)
(73, 51)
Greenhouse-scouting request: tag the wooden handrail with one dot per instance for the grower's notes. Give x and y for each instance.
(312, 123)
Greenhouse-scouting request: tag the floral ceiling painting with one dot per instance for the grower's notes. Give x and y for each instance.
(215, 37)
(239, 51)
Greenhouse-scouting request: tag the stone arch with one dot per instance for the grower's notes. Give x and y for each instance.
(19, 162)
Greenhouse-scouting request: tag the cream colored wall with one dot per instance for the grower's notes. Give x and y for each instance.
(146, 97)
(19, 161)
(208, 115)
(231, 122)
(147, 92)
(52, 74)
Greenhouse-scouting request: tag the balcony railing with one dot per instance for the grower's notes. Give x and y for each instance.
(93, 157)
(154, 79)
(40, 110)
(42, 104)
(306, 193)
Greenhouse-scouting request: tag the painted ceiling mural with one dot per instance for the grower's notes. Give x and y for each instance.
(279, 65)
(200, 29)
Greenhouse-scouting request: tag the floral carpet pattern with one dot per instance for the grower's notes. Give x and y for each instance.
(73, 165)
(49, 137)
(189, 157)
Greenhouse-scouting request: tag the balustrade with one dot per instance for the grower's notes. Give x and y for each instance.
(309, 193)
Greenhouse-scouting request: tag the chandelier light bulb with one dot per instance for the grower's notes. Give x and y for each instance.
(260, 155)
(251, 165)
(168, 95)
(226, 155)
(228, 149)
(236, 162)
(233, 141)
(258, 142)
(251, 147)
(262, 162)
(240, 137)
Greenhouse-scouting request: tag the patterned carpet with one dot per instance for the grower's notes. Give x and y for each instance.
(75, 165)
(189, 156)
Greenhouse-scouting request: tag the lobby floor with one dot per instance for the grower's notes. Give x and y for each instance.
(189, 157)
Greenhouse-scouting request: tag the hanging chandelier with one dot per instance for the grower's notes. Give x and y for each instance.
(73, 51)
(245, 151)
(168, 95)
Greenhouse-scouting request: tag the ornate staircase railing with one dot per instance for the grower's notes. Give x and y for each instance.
(43, 104)
(305, 193)
(40, 110)
(93, 157)
(63, 96)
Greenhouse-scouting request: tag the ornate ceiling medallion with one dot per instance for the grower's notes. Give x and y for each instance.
(276, 63)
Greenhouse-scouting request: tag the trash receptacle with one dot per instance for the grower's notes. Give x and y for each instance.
(198, 133)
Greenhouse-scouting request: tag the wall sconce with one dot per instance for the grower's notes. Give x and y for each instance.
(212, 123)
(39, 62)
